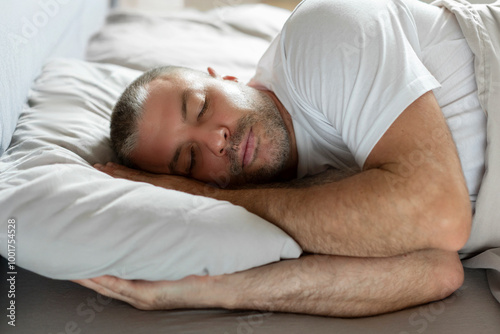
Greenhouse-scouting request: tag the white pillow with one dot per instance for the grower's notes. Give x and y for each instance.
(231, 39)
(73, 221)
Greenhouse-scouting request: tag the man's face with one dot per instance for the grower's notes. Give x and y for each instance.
(211, 129)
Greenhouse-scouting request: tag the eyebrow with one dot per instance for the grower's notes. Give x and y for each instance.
(184, 98)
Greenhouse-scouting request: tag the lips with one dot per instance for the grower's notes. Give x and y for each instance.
(248, 148)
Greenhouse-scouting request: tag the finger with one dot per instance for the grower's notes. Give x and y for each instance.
(132, 291)
(100, 168)
(117, 166)
(118, 286)
(133, 175)
(104, 169)
(107, 286)
(121, 170)
(88, 283)
(118, 171)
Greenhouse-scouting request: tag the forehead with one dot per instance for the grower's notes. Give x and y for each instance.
(166, 92)
(161, 115)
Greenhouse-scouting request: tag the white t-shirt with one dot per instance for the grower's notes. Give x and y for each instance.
(346, 69)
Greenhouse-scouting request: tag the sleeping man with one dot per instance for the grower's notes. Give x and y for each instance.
(361, 135)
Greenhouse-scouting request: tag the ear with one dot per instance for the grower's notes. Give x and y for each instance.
(230, 78)
(216, 75)
(213, 74)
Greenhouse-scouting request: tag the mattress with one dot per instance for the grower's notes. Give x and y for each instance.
(55, 306)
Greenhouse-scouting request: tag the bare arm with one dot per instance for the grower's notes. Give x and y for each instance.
(315, 284)
(411, 195)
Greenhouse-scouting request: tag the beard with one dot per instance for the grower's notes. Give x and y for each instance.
(263, 111)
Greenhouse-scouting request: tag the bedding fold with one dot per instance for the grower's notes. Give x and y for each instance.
(481, 27)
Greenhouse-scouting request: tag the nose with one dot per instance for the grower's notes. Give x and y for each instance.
(217, 140)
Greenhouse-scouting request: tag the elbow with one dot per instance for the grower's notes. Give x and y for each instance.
(452, 224)
(456, 232)
(448, 275)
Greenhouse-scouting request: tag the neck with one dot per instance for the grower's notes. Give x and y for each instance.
(290, 170)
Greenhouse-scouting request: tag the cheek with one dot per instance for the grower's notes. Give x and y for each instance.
(265, 142)
(233, 99)
(232, 95)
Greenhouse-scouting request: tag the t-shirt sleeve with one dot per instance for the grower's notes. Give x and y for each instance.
(355, 62)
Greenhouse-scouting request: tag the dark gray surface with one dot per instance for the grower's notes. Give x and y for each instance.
(52, 307)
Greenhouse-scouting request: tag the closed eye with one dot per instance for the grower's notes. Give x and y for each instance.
(203, 109)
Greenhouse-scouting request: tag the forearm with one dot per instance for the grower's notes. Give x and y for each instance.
(372, 213)
(341, 286)
(360, 215)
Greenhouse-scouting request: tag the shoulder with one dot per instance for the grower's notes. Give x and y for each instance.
(327, 24)
(337, 12)
(327, 39)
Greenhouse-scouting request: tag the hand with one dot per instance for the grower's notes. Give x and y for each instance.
(147, 295)
(161, 180)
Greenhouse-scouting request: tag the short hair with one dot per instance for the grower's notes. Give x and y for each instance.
(128, 111)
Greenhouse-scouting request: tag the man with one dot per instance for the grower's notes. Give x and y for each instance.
(346, 85)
